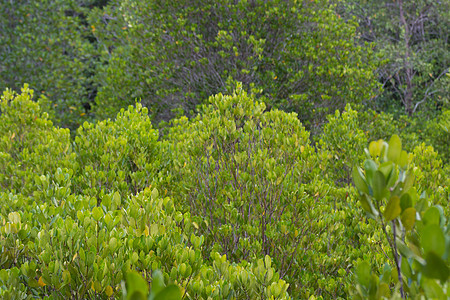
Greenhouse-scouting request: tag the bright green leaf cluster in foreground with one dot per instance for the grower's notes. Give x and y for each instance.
(235, 203)
(417, 234)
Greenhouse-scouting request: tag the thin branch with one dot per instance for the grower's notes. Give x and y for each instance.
(426, 91)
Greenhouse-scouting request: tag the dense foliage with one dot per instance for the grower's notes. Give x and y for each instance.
(245, 211)
(44, 44)
(270, 176)
(413, 37)
(174, 55)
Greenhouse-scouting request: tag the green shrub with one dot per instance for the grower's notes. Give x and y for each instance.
(29, 144)
(62, 240)
(246, 209)
(250, 178)
(343, 141)
(437, 134)
(121, 155)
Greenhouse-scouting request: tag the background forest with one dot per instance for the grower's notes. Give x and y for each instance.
(224, 149)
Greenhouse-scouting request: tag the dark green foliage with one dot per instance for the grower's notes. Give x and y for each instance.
(299, 55)
(412, 36)
(44, 44)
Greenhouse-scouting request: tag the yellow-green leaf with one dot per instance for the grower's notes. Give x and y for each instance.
(393, 209)
(109, 291)
(379, 185)
(395, 149)
(359, 180)
(409, 218)
(374, 149)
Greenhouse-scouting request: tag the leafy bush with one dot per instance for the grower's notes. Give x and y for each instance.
(122, 155)
(29, 144)
(343, 140)
(173, 55)
(61, 240)
(250, 178)
(246, 209)
(437, 134)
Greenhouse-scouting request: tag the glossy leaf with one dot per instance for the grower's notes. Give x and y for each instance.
(157, 283)
(432, 289)
(363, 273)
(374, 148)
(405, 201)
(403, 160)
(431, 216)
(370, 167)
(432, 239)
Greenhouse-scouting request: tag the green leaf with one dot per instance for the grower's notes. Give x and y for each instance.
(386, 168)
(393, 209)
(136, 295)
(137, 287)
(386, 274)
(368, 206)
(375, 148)
(171, 292)
(431, 216)
(116, 199)
(432, 289)
(405, 201)
(359, 180)
(395, 149)
(371, 167)
(155, 194)
(112, 244)
(157, 284)
(406, 267)
(363, 273)
(403, 161)
(384, 150)
(97, 213)
(408, 181)
(379, 185)
(435, 267)
(392, 178)
(407, 251)
(432, 239)
(267, 261)
(409, 218)
(134, 257)
(383, 291)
